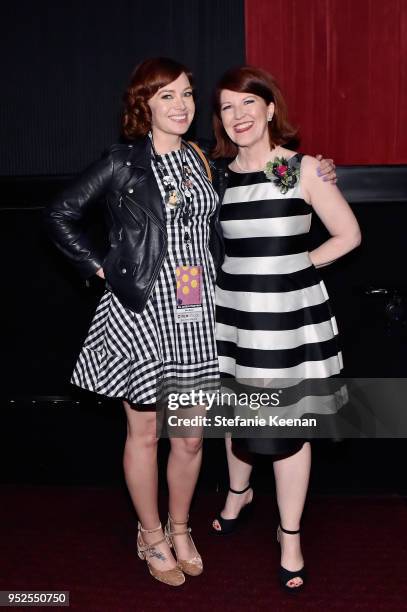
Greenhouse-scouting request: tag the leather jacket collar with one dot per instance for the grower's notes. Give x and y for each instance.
(142, 177)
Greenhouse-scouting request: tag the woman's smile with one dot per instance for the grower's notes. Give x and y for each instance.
(243, 126)
(179, 118)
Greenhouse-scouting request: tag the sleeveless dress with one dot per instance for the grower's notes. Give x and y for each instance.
(273, 315)
(131, 355)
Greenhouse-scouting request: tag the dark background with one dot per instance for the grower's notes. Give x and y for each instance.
(67, 64)
(64, 73)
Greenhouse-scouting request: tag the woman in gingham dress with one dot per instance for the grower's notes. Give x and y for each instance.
(155, 323)
(152, 346)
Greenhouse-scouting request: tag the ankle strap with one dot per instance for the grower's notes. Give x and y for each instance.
(239, 492)
(147, 547)
(149, 530)
(178, 522)
(289, 532)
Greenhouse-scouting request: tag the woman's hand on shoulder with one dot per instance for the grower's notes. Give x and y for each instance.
(326, 169)
(313, 184)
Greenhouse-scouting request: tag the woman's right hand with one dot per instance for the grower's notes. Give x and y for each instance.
(100, 273)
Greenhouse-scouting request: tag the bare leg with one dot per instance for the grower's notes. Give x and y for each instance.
(292, 477)
(184, 463)
(141, 474)
(239, 477)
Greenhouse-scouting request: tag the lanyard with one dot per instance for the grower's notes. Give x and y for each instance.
(175, 198)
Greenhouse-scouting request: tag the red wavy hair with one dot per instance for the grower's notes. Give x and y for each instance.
(248, 79)
(147, 78)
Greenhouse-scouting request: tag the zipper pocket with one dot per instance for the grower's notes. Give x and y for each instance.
(147, 212)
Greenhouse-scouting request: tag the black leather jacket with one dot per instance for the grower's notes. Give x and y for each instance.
(137, 232)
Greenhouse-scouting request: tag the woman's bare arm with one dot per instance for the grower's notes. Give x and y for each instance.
(334, 212)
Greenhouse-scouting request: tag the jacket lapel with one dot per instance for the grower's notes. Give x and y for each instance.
(141, 187)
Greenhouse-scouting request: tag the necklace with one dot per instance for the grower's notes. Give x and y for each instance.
(238, 164)
(175, 198)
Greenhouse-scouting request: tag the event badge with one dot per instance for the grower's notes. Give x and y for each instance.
(189, 294)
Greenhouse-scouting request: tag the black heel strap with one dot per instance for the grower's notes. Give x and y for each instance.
(239, 492)
(288, 531)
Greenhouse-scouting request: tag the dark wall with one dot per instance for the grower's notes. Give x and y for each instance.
(66, 65)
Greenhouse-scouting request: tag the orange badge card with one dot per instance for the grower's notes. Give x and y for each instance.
(189, 293)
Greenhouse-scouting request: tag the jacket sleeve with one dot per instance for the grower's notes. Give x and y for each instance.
(64, 215)
(216, 242)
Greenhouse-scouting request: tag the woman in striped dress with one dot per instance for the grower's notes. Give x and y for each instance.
(273, 316)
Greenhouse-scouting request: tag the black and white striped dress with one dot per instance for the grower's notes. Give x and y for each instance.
(130, 355)
(273, 316)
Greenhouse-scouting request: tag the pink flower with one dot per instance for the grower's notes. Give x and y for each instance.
(282, 170)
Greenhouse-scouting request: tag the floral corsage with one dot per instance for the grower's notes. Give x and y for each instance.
(281, 174)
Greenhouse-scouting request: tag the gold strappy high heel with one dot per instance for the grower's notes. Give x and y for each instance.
(173, 577)
(194, 566)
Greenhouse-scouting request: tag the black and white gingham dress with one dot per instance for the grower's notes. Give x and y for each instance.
(129, 355)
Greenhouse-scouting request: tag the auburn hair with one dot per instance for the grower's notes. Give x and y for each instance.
(146, 79)
(256, 81)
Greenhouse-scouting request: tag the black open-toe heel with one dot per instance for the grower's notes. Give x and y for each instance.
(228, 526)
(286, 575)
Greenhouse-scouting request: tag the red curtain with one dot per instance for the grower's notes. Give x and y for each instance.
(342, 66)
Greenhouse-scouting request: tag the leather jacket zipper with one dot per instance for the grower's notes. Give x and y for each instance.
(147, 212)
(157, 270)
(164, 251)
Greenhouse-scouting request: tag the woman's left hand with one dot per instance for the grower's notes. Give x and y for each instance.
(326, 169)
